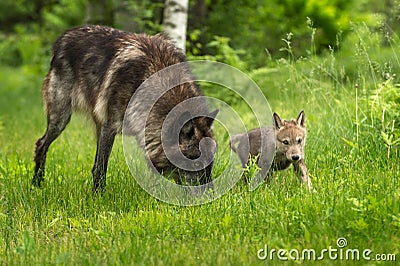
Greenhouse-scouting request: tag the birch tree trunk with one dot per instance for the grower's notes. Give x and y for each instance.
(175, 21)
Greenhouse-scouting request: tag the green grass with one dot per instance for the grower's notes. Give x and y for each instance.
(357, 187)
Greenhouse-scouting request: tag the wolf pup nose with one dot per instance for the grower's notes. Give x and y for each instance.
(295, 157)
(290, 139)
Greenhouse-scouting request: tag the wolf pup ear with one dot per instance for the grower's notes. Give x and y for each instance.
(277, 122)
(301, 119)
(211, 117)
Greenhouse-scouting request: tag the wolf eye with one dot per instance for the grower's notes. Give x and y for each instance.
(286, 142)
(299, 141)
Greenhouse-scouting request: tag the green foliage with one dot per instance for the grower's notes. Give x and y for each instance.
(391, 140)
(251, 169)
(220, 51)
(1, 125)
(8, 50)
(385, 102)
(143, 16)
(264, 25)
(26, 47)
(374, 70)
(385, 107)
(361, 47)
(256, 32)
(260, 25)
(63, 15)
(16, 12)
(30, 49)
(30, 43)
(224, 53)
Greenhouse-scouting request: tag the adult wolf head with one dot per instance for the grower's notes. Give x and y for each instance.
(173, 124)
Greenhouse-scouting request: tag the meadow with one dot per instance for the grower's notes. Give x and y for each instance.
(352, 153)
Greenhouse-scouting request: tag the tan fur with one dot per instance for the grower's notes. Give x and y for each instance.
(290, 139)
(129, 49)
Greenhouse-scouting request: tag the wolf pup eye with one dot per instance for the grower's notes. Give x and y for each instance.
(286, 142)
(299, 141)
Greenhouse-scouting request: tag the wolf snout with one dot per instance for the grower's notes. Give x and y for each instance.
(295, 157)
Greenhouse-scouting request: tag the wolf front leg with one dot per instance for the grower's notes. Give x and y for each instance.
(301, 171)
(105, 142)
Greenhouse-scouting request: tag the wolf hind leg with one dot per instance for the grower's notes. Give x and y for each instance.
(56, 97)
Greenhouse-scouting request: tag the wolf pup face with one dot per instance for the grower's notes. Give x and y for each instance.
(290, 137)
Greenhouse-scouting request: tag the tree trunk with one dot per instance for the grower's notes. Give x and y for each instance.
(175, 21)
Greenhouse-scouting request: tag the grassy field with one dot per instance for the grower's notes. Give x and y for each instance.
(355, 176)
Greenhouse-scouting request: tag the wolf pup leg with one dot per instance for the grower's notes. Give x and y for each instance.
(301, 171)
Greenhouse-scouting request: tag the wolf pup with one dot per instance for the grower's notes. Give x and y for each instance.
(97, 70)
(290, 139)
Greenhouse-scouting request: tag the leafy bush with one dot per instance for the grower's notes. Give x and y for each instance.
(13, 12)
(385, 102)
(9, 54)
(385, 108)
(221, 51)
(25, 47)
(224, 53)
(29, 44)
(63, 15)
(140, 16)
(259, 25)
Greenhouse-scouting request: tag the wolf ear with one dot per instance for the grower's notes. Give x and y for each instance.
(301, 119)
(185, 121)
(277, 121)
(211, 117)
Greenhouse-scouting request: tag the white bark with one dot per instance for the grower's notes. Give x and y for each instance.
(175, 21)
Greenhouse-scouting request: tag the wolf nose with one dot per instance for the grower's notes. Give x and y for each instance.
(295, 157)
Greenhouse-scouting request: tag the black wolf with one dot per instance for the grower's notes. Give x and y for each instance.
(97, 70)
